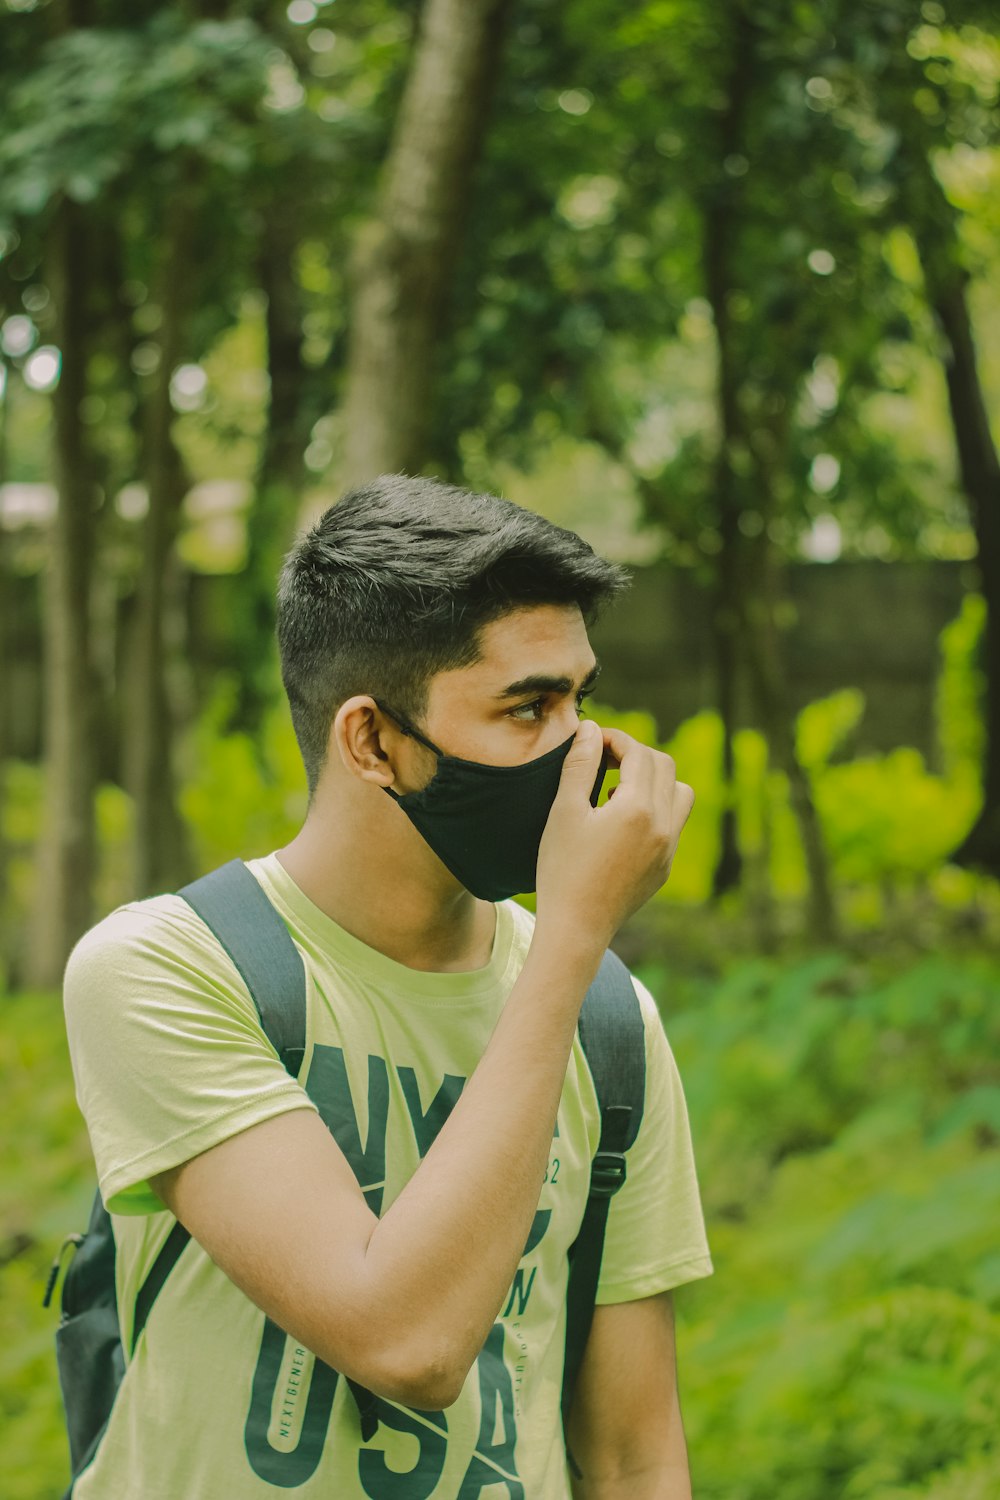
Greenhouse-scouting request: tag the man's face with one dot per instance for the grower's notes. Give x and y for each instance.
(520, 699)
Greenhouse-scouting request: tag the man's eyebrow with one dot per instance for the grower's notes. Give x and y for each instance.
(539, 682)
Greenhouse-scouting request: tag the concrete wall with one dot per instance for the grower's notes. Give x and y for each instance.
(870, 625)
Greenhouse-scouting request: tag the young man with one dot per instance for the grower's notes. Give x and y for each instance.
(402, 1213)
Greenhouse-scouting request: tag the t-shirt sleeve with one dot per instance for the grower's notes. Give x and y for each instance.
(169, 1056)
(656, 1231)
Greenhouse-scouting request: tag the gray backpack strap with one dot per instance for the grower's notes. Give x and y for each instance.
(230, 901)
(614, 1041)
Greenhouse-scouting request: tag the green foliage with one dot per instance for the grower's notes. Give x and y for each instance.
(975, 1478)
(762, 139)
(45, 1190)
(20, 824)
(847, 1122)
(823, 727)
(849, 1162)
(100, 98)
(961, 728)
(887, 819)
(241, 797)
(22, 808)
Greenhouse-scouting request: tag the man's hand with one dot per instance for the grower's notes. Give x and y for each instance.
(596, 866)
(625, 1429)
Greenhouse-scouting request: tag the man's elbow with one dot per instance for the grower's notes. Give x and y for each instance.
(428, 1378)
(430, 1388)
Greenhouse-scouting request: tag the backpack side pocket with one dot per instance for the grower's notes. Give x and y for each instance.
(91, 1366)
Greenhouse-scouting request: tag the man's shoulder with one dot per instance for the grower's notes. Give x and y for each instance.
(154, 932)
(650, 1010)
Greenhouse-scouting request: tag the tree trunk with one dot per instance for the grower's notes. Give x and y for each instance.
(6, 705)
(725, 625)
(274, 512)
(979, 469)
(67, 848)
(933, 223)
(160, 855)
(405, 256)
(744, 609)
(769, 680)
(115, 464)
(765, 601)
(720, 229)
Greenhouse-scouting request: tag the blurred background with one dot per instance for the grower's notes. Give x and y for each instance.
(719, 288)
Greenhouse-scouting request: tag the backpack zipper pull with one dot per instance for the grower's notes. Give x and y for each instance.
(76, 1240)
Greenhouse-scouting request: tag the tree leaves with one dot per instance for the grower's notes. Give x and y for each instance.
(103, 104)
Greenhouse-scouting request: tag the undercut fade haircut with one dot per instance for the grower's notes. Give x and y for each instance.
(394, 584)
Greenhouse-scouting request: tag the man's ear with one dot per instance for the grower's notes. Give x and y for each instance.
(365, 740)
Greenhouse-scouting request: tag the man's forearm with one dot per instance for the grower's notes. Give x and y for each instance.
(480, 1181)
(626, 1431)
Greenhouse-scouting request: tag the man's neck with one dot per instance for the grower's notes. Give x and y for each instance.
(367, 868)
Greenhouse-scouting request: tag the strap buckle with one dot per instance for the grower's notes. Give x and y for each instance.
(607, 1174)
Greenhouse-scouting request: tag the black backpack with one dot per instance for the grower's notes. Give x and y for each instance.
(233, 905)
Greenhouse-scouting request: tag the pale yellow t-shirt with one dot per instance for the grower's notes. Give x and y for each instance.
(170, 1059)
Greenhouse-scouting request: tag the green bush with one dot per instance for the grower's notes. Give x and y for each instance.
(847, 1133)
(887, 821)
(241, 798)
(961, 690)
(45, 1192)
(21, 813)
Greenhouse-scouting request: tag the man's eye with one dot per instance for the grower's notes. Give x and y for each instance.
(534, 712)
(529, 713)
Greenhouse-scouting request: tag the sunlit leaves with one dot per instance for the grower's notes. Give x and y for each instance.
(101, 100)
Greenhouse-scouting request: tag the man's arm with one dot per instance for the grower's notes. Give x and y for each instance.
(625, 1429)
(402, 1304)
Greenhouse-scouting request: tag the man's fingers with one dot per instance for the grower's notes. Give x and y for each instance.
(683, 803)
(608, 864)
(645, 771)
(649, 773)
(634, 761)
(581, 764)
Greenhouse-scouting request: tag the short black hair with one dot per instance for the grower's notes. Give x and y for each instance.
(394, 583)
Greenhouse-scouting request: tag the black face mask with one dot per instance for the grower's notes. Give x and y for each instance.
(485, 822)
